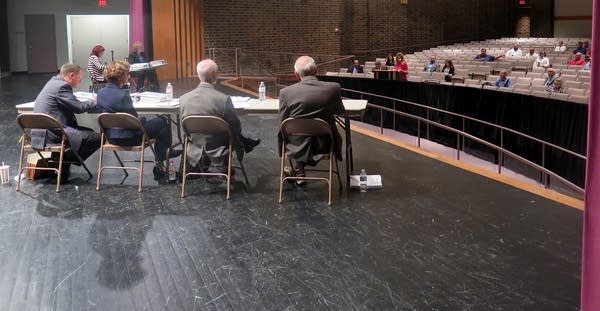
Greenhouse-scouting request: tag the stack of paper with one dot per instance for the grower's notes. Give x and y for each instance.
(373, 181)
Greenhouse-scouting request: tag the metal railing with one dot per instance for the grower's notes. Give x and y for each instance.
(462, 135)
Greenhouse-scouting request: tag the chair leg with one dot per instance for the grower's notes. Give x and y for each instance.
(84, 166)
(337, 172)
(184, 174)
(230, 157)
(121, 163)
(330, 176)
(244, 172)
(60, 166)
(20, 171)
(281, 174)
(141, 169)
(100, 168)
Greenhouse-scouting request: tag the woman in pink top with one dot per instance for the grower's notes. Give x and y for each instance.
(401, 66)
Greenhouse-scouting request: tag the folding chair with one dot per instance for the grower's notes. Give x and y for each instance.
(307, 128)
(121, 121)
(29, 121)
(208, 125)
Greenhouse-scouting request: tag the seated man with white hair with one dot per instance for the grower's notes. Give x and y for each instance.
(204, 100)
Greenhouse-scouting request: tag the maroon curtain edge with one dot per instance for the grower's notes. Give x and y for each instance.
(136, 22)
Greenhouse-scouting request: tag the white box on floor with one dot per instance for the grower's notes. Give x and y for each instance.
(373, 181)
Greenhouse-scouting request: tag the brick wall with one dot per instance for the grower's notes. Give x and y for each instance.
(307, 26)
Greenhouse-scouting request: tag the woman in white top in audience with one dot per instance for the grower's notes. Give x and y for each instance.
(542, 60)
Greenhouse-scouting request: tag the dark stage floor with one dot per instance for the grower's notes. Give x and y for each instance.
(435, 238)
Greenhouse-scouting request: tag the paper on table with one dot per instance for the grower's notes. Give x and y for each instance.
(373, 181)
(156, 95)
(240, 102)
(84, 95)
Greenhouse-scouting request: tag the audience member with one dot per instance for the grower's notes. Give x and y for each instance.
(448, 70)
(137, 56)
(379, 66)
(556, 86)
(432, 65)
(112, 98)
(514, 52)
(94, 67)
(310, 98)
(532, 54)
(560, 47)
(577, 60)
(588, 63)
(588, 47)
(580, 48)
(542, 60)
(503, 80)
(551, 72)
(390, 60)
(355, 67)
(401, 66)
(204, 100)
(57, 100)
(484, 57)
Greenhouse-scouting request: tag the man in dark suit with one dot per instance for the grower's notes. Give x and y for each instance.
(57, 99)
(310, 98)
(204, 100)
(355, 67)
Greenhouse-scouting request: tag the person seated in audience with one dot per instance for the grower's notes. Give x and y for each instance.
(560, 47)
(310, 98)
(355, 67)
(551, 72)
(57, 100)
(503, 80)
(514, 52)
(401, 66)
(588, 47)
(588, 63)
(113, 98)
(542, 60)
(379, 66)
(204, 100)
(532, 54)
(580, 48)
(577, 60)
(390, 60)
(448, 70)
(556, 86)
(94, 67)
(432, 65)
(484, 57)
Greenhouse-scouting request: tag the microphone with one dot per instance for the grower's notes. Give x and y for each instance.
(112, 55)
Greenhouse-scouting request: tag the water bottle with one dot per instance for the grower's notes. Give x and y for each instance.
(262, 92)
(169, 92)
(362, 181)
(172, 175)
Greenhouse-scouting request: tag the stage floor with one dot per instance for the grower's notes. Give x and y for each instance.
(434, 238)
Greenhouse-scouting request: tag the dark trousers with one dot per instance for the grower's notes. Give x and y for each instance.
(157, 128)
(90, 142)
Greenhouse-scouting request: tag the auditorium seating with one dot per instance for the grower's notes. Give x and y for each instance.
(528, 79)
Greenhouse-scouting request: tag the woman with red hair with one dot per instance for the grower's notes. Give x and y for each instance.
(94, 66)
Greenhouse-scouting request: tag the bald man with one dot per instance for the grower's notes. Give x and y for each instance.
(204, 100)
(310, 98)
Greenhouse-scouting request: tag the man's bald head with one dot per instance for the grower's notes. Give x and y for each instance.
(305, 66)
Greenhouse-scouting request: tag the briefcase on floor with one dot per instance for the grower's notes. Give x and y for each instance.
(34, 160)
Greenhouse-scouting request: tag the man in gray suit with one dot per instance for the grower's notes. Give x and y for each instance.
(204, 100)
(310, 98)
(57, 100)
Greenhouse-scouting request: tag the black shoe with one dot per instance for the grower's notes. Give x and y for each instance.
(159, 173)
(250, 144)
(174, 153)
(217, 169)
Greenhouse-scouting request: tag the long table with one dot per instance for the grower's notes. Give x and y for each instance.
(150, 103)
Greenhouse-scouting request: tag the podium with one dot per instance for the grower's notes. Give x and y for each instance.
(386, 75)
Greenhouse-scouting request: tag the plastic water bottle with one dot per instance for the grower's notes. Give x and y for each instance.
(362, 181)
(172, 175)
(262, 91)
(169, 92)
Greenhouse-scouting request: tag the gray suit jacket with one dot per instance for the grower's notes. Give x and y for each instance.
(311, 98)
(204, 100)
(57, 100)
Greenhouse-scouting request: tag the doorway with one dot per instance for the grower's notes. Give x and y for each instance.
(85, 31)
(40, 39)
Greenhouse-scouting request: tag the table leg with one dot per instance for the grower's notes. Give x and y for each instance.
(349, 157)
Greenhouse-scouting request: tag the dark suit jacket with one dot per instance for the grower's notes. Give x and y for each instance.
(111, 98)
(57, 99)
(359, 69)
(311, 98)
(204, 100)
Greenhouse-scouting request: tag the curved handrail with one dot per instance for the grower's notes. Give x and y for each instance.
(500, 149)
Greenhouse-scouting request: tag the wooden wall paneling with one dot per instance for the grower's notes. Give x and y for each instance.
(163, 37)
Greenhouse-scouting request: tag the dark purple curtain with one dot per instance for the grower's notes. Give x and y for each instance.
(590, 265)
(136, 21)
